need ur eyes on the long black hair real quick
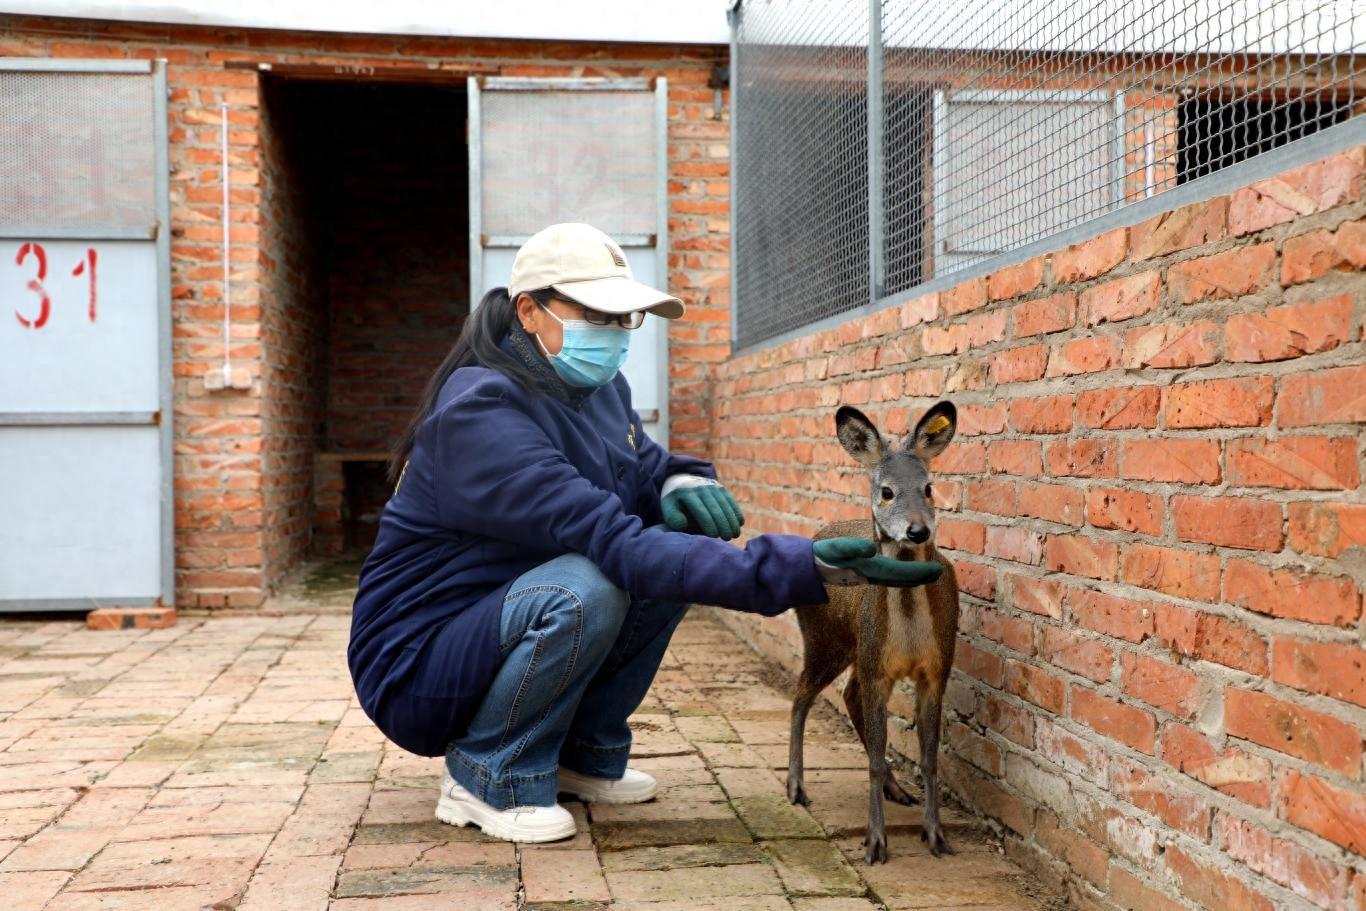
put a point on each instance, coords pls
(478, 345)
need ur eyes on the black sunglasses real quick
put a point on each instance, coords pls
(633, 320)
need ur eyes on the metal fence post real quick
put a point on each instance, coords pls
(877, 279)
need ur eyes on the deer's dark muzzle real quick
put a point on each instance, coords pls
(918, 534)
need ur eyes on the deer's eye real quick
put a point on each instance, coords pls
(928, 491)
(888, 493)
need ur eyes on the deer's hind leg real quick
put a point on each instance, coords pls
(819, 669)
(853, 702)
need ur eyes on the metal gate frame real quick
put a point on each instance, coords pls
(480, 241)
(160, 231)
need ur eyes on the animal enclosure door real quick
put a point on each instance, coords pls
(85, 381)
(544, 151)
(1012, 166)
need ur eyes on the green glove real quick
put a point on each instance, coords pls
(705, 508)
(837, 558)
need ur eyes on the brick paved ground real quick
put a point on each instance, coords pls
(224, 763)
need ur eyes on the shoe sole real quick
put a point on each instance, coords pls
(454, 814)
(589, 796)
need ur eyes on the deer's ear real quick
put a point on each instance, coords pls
(934, 431)
(859, 437)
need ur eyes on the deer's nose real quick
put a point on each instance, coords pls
(918, 533)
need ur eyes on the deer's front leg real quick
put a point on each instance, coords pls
(929, 708)
(875, 692)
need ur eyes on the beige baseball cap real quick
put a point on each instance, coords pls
(587, 266)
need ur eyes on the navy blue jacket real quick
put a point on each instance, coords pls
(499, 481)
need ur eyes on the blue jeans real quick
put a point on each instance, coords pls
(578, 657)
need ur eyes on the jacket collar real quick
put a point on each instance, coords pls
(521, 346)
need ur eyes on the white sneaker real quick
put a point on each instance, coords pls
(459, 807)
(633, 787)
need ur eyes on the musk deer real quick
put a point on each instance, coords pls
(887, 634)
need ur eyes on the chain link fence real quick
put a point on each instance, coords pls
(878, 146)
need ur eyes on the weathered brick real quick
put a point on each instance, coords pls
(1034, 684)
(1304, 190)
(1180, 573)
(1170, 345)
(1010, 543)
(1117, 720)
(1023, 458)
(1091, 258)
(115, 618)
(961, 534)
(1013, 281)
(1240, 402)
(1233, 771)
(1018, 365)
(1205, 882)
(1197, 634)
(1327, 529)
(1294, 595)
(1328, 668)
(1294, 730)
(964, 297)
(1087, 656)
(1232, 274)
(1179, 460)
(1118, 409)
(1294, 463)
(1311, 803)
(1334, 396)
(983, 665)
(1161, 684)
(1310, 256)
(1230, 521)
(1190, 226)
(1281, 333)
(1128, 510)
(1054, 502)
(1084, 355)
(1122, 618)
(1306, 874)
(1038, 596)
(1047, 314)
(1088, 458)
(1080, 555)
(1052, 414)
(1121, 299)
(1166, 797)
(993, 496)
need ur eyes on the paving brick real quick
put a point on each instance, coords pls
(814, 867)
(563, 876)
(680, 885)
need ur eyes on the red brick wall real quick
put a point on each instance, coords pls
(1156, 511)
(227, 554)
(293, 330)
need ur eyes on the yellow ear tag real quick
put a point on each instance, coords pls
(939, 423)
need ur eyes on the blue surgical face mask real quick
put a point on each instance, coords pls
(589, 355)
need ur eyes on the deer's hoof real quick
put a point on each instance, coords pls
(875, 848)
(892, 790)
(938, 844)
(796, 793)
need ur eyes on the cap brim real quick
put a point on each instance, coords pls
(619, 294)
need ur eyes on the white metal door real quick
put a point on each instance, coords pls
(86, 513)
(544, 151)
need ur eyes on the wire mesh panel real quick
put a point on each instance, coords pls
(1002, 123)
(801, 158)
(554, 156)
(77, 150)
